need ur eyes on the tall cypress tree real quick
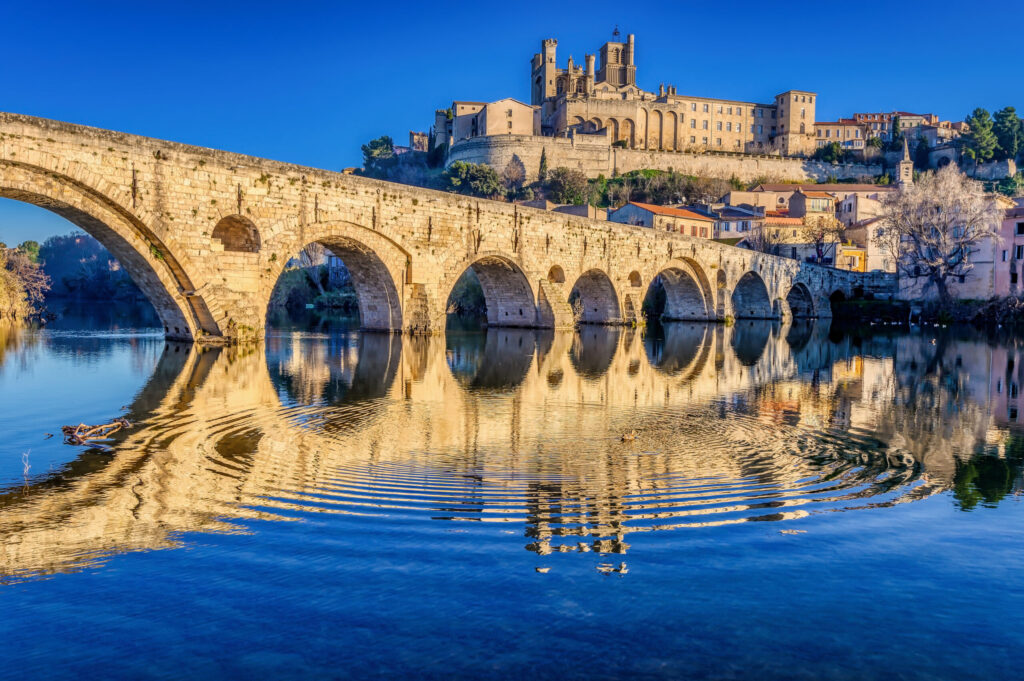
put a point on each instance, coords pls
(542, 173)
(981, 143)
(1009, 131)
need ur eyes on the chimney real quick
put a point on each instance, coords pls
(661, 90)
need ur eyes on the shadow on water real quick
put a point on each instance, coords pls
(495, 359)
(672, 347)
(750, 338)
(593, 349)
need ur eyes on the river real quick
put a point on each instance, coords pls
(695, 500)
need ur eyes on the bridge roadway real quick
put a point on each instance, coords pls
(214, 444)
(207, 233)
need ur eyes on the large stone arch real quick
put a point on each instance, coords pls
(628, 132)
(688, 293)
(800, 301)
(657, 134)
(645, 127)
(598, 302)
(750, 299)
(150, 263)
(510, 299)
(379, 268)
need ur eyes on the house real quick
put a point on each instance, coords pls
(665, 218)
(1011, 252)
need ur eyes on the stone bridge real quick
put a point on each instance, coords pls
(206, 234)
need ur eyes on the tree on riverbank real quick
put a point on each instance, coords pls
(934, 225)
(23, 285)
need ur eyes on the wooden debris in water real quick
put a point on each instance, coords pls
(91, 435)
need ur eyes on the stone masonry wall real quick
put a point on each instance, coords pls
(595, 156)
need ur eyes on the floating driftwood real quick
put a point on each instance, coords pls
(91, 435)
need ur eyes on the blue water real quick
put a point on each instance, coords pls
(795, 504)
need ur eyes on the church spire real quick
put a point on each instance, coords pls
(906, 167)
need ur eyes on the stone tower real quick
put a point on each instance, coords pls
(618, 67)
(906, 168)
(544, 73)
(795, 122)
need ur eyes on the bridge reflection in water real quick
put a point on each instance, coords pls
(758, 421)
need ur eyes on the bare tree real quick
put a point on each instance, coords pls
(933, 226)
(763, 239)
(514, 175)
(29, 275)
(824, 232)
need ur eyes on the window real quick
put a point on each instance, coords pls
(705, 125)
(718, 141)
(760, 130)
(1013, 276)
(719, 108)
(693, 106)
(738, 144)
(752, 128)
(792, 252)
(693, 122)
(1018, 252)
(730, 111)
(704, 140)
(725, 226)
(1014, 390)
(1013, 413)
(1004, 255)
(803, 113)
(693, 230)
(760, 113)
(693, 140)
(728, 127)
(794, 232)
(706, 109)
(1020, 228)
(718, 126)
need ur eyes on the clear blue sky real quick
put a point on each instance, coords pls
(309, 82)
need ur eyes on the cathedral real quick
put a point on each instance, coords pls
(602, 97)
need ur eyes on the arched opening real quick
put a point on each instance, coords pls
(149, 265)
(750, 298)
(629, 132)
(57, 275)
(556, 275)
(593, 299)
(336, 282)
(237, 234)
(505, 296)
(678, 293)
(801, 304)
(634, 279)
(836, 300)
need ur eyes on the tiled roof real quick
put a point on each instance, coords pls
(822, 187)
(772, 220)
(818, 195)
(674, 212)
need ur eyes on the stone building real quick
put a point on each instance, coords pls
(1011, 257)
(605, 96)
(665, 218)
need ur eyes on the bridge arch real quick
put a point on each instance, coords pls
(377, 266)
(508, 296)
(594, 299)
(688, 294)
(152, 266)
(800, 301)
(750, 298)
(556, 275)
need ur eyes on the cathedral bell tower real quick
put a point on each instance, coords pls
(905, 177)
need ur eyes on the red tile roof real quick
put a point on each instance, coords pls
(818, 195)
(674, 212)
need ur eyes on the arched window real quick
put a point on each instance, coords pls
(237, 233)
